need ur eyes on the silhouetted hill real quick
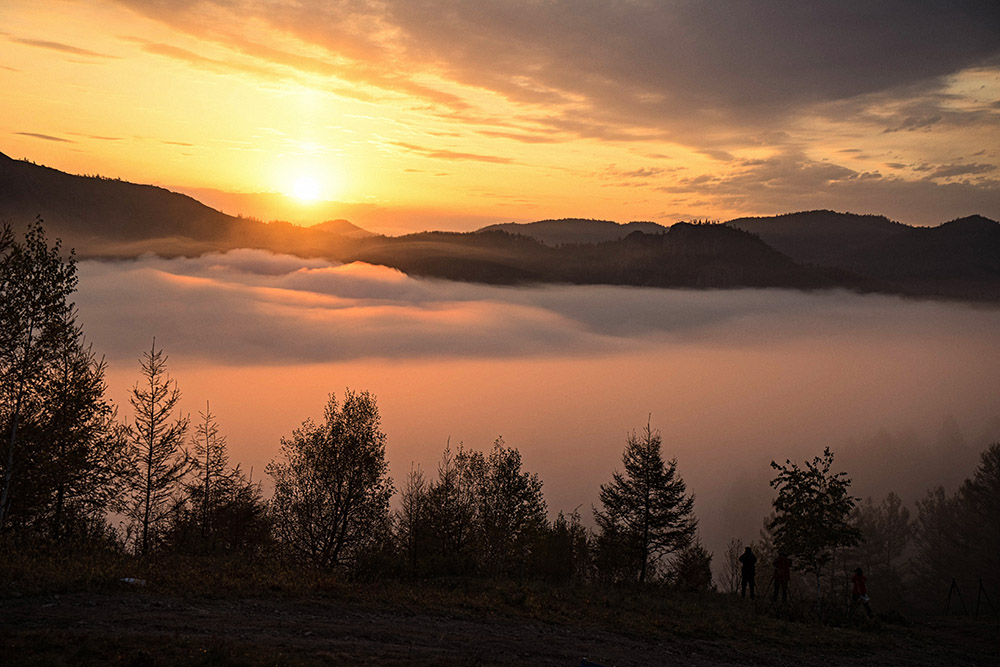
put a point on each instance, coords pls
(343, 228)
(821, 237)
(684, 256)
(102, 217)
(575, 230)
(960, 258)
(82, 209)
(107, 218)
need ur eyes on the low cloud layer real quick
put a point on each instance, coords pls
(253, 307)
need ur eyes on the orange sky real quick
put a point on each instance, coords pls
(451, 114)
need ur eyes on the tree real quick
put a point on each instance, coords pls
(812, 514)
(451, 511)
(979, 525)
(35, 286)
(563, 551)
(221, 508)
(885, 531)
(692, 569)
(210, 468)
(155, 459)
(511, 511)
(331, 487)
(958, 536)
(646, 513)
(482, 514)
(81, 443)
(411, 518)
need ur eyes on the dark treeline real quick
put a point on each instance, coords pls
(77, 474)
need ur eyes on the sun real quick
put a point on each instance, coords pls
(306, 189)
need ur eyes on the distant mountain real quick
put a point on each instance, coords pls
(342, 228)
(104, 218)
(821, 237)
(961, 257)
(958, 258)
(575, 230)
(684, 255)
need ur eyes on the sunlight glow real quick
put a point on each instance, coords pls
(306, 189)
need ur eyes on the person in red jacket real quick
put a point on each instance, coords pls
(859, 591)
(748, 572)
(782, 575)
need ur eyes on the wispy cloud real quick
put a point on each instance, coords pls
(46, 137)
(961, 169)
(442, 154)
(58, 46)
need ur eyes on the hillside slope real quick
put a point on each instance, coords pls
(576, 230)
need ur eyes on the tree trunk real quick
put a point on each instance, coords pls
(8, 472)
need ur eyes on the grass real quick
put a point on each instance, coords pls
(731, 627)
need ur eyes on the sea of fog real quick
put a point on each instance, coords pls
(903, 391)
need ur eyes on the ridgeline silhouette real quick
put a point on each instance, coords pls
(106, 218)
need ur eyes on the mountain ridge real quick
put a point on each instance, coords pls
(111, 218)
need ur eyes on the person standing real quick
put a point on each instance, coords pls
(748, 572)
(782, 575)
(859, 591)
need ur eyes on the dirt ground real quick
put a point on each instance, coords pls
(135, 628)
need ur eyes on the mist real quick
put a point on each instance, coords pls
(903, 391)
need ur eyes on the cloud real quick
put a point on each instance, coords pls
(450, 155)
(793, 181)
(912, 123)
(961, 169)
(58, 46)
(629, 64)
(46, 137)
(250, 307)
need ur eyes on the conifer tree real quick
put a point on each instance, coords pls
(221, 508)
(646, 513)
(210, 466)
(155, 459)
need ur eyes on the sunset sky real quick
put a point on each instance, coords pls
(414, 114)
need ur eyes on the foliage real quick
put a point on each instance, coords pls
(563, 550)
(646, 514)
(511, 511)
(35, 322)
(482, 514)
(155, 459)
(451, 506)
(691, 570)
(221, 508)
(885, 531)
(410, 521)
(812, 513)
(331, 488)
(958, 537)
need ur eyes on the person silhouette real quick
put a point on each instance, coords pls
(748, 572)
(782, 575)
(859, 591)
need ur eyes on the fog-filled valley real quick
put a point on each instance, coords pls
(903, 391)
